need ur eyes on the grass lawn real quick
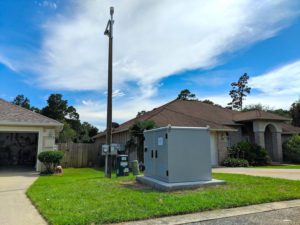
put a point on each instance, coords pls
(84, 196)
(280, 167)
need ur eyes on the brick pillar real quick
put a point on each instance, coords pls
(259, 138)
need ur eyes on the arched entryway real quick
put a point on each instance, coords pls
(270, 145)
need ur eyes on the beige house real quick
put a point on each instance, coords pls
(227, 127)
(24, 134)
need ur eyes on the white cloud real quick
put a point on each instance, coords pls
(48, 4)
(116, 93)
(7, 63)
(278, 88)
(281, 81)
(272, 101)
(152, 39)
(123, 110)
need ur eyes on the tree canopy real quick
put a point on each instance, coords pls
(295, 113)
(22, 101)
(239, 91)
(186, 95)
(280, 112)
(58, 109)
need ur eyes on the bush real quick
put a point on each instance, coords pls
(253, 153)
(50, 159)
(235, 162)
(291, 149)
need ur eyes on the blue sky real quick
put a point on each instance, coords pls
(160, 48)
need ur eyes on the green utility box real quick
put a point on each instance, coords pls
(122, 165)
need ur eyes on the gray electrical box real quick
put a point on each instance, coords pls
(114, 148)
(178, 154)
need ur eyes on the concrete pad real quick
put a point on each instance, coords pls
(290, 174)
(15, 207)
(164, 186)
(216, 214)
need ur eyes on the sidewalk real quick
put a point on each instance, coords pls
(217, 214)
(290, 174)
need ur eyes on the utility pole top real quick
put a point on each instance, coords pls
(111, 11)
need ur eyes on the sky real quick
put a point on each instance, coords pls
(160, 48)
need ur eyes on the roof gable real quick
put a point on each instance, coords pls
(11, 114)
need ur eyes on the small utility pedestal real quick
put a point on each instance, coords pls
(177, 158)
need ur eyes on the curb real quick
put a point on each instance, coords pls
(216, 214)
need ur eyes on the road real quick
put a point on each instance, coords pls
(289, 216)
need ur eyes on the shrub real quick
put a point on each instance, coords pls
(50, 159)
(253, 153)
(291, 149)
(235, 162)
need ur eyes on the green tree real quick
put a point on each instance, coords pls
(67, 134)
(207, 101)
(239, 91)
(295, 113)
(35, 109)
(256, 107)
(87, 131)
(186, 95)
(72, 113)
(22, 101)
(74, 130)
(280, 112)
(57, 108)
(137, 136)
(115, 125)
(141, 113)
(291, 149)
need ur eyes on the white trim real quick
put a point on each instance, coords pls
(31, 124)
(177, 127)
(225, 129)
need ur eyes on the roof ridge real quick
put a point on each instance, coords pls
(28, 110)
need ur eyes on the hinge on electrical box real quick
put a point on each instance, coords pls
(167, 173)
(166, 136)
(146, 149)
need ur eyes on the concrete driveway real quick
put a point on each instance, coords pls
(15, 207)
(290, 174)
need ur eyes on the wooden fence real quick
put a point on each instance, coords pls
(80, 155)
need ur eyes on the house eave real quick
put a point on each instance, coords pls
(223, 129)
(24, 124)
(264, 119)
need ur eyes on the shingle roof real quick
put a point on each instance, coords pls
(290, 129)
(185, 113)
(199, 114)
(256, 114)
(11, 114)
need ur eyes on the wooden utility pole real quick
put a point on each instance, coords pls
(109, 32)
